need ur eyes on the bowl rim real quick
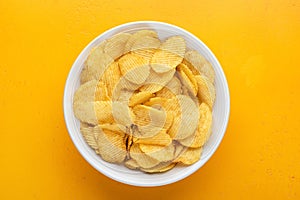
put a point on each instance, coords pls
(89, 159)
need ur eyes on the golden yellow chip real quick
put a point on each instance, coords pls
(134, 68)
(115, 46)
(189, 156)
(139, 98)
(160, 153)
(156, 101)
(139, 34)
(174, 85)
(187, 78)
(201, 64)
(185, 125)
(206, 90)
(85, 112)
(111, 77)
(163, 61)
(110, 145)
(122, 114)
(178, 150)
(101, 92)
(161, 139)
(141, 158)
(146, 42)
(161, 167)
(203, 131)
(86, 92)
(95, 66)
(191, 67)
(131, 164)
(89, 135)
(156, 81)
(175, 45)
(103, 112)
(124, 90)
(165, 93)
(116, 128)
(146, 53)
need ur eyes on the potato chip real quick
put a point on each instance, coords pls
(134, 68)
(146, 42)
(163, 61)
(85, 112)
(103, 112)
(86, 92)
(175, 45)
(160, 153)
(89, 136)
(139, 34)
(141, 158)
(116, 128)
(161, 167)
(201, 64)
(178, 150)
(124, 90)
(191, 67)
(156, 81)
(187, 79)
(110, 146)
(145, 53)
(174, 85)
(122, 114)
(161, 139)
(131, 164)
(189, 156)
(139, 98)
(156, 101)
(203, 130)
(111, 77)
(115, 46)
(101, 92)
(206, 90)
(95, 66)
(165, 93)
(185, 125)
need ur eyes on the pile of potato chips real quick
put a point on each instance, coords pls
(144, 102)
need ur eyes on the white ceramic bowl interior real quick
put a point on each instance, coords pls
(121, 173)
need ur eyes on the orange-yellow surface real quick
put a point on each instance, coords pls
(257, 43)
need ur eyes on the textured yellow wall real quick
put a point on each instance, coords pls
(257, 43)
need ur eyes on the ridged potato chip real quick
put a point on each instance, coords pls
(191, 67)
(139, 98)
(101, 92)
(186, 124)
(156, 101)
(139, 34)
(134, 68)
(163, 61)
(201, 64)
(156, 81)
(187, 78)
(86, 92)
(145, 42)
(110, 146)
(189, 156)
(122, 114)
(115, 46)
(161, 167)
(146, 53)
(206, 90)
(131, 164)
(89, 135)
(161, 139)
(175, 45)
(160, 153)
(96, 63)
(203, 131)
(116, 128)
(141, 158)
(85, 112)
(103, 112)
(111, 77)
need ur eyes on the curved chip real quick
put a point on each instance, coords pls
(101, 92)
(160, 153)
(115, 46)
(89, 135)
(85, 112)
(187, 78)
(110, 145)
(131, 164)
(139, 98)
(203, 131)
(161, 101)
(201, 64)
(175, 45)
(191, 67)
(139, 34)
(122, 113)
(189, 156)
(134, 68)
(161, 167)
(206, 90)
(141, 158)
(96, 63)
(103, 111)
(161, 139)
(156, 81)
(86, 92)
(116, 128)
(185, 125)
(111, 77)
(146, 42)
(163, 61)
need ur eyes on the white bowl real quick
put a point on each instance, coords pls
(121, 173)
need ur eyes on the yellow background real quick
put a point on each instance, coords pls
(257, 43)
